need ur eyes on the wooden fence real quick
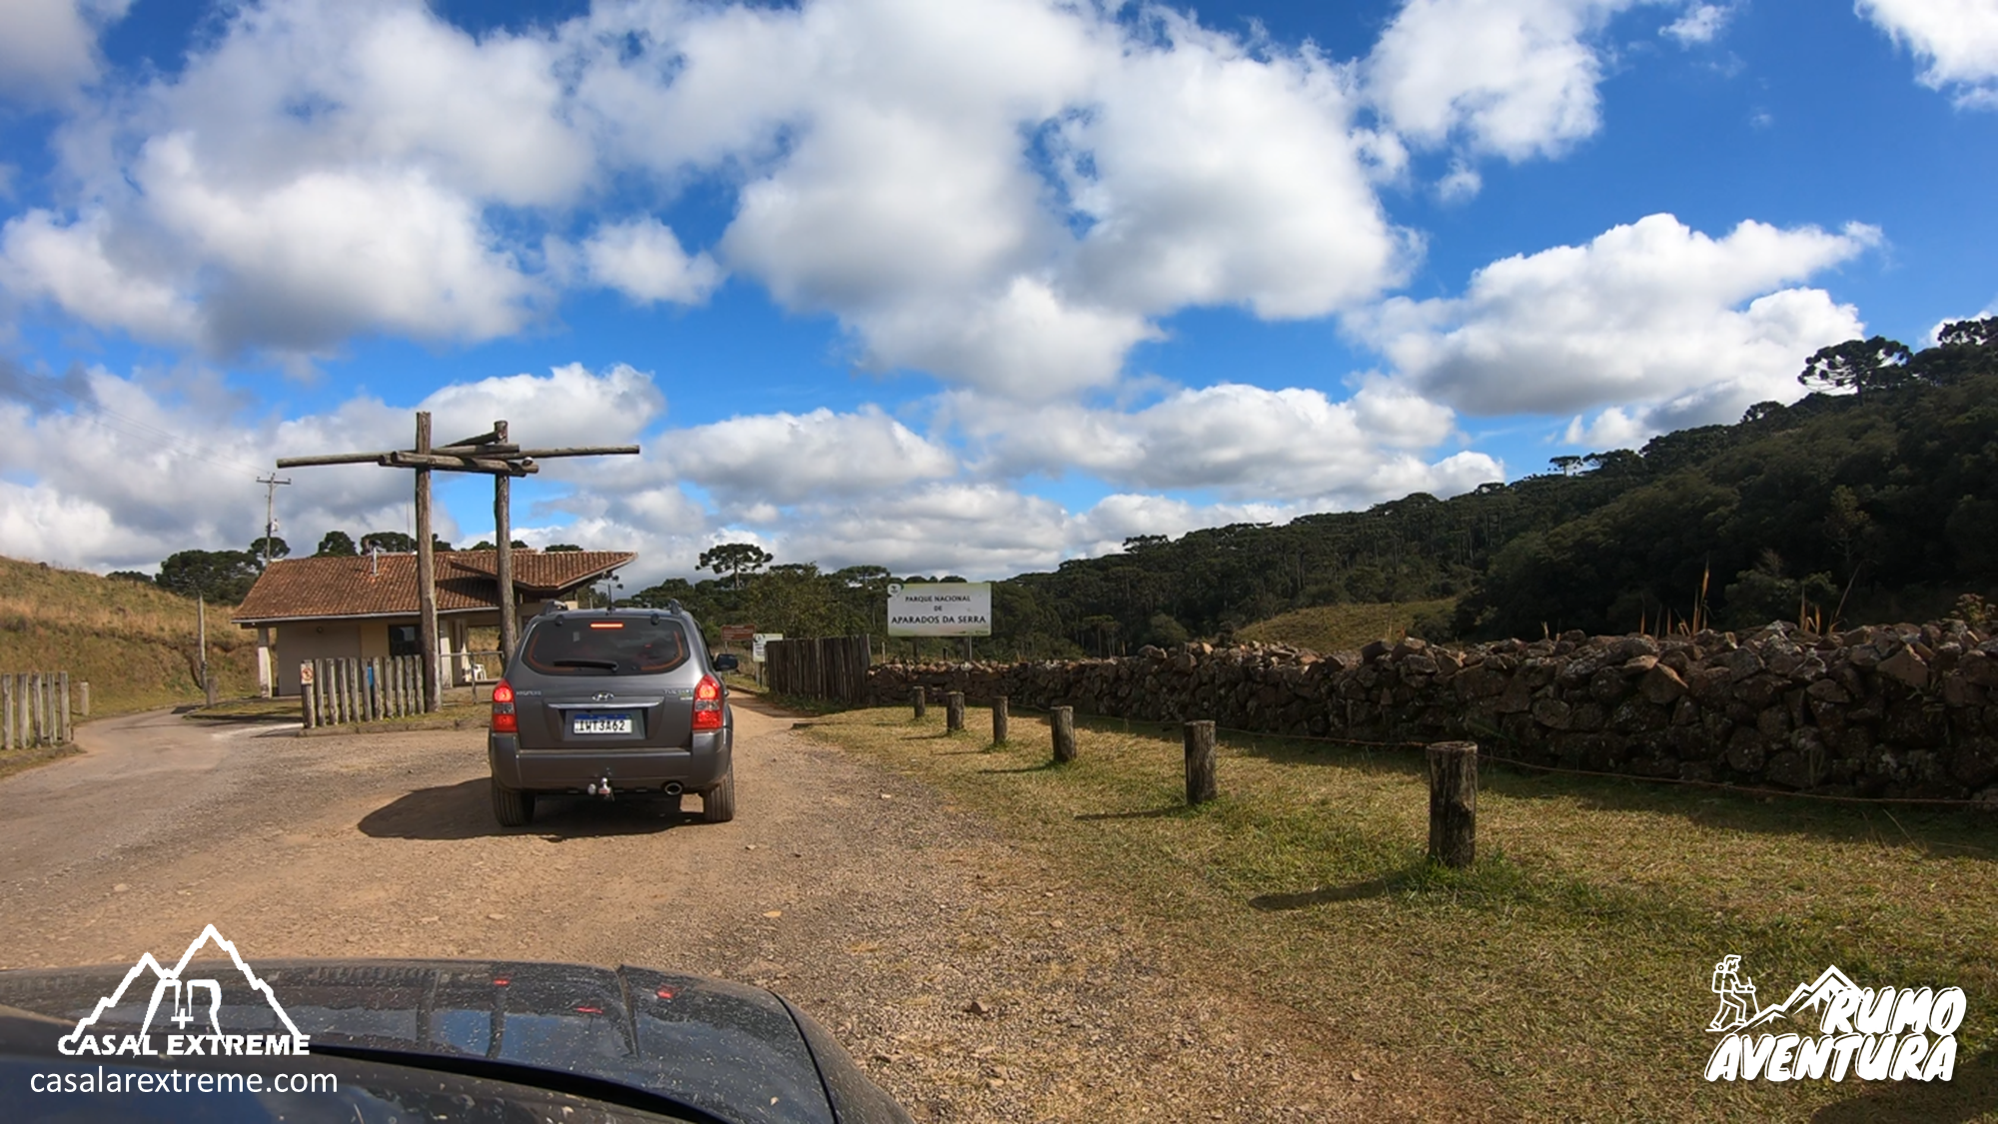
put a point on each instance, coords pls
(336, 690)
(34, 709)
(832, 668)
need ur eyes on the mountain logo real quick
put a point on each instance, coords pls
(183, 1016)
(1876, 1034)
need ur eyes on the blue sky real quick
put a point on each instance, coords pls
(964, 288)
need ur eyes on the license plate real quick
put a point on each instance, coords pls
(588, 723)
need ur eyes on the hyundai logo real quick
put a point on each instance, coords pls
(602, 697)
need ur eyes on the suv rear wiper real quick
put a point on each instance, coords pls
(609, 664)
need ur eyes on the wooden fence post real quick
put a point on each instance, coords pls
(1062, 721)
(305, 715)
(62, 681)
(83, 692)
(6, 712)
(999, 719)
(954, 711)
(1453, 803)
(920, 700)
(1199, 737)
(39, 692)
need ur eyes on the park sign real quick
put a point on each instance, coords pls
(940, 609)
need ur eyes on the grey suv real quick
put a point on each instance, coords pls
(608, 703)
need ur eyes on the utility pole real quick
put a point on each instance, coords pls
(270, 484)
(490, 452)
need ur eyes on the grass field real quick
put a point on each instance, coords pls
(1569, 970)
(133, 643)
(1341, 628)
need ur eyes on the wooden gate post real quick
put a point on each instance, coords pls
(920, 699)
(954, 711)
(306, 719)
(999, 719)
(1453, 803)
(68, 736)
(1199, 739)
(1062, 721)
(83, 694)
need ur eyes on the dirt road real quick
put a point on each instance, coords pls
(969, 981)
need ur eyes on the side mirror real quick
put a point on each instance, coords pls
(727, 662)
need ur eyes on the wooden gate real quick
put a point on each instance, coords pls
(832, 668)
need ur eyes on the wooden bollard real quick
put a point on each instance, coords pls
(1453, 803)
(1200, 761)
(920, 699)
(83, 697)
(999, 719)
(1062, 721)
(954, 711)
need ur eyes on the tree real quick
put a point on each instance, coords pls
(735, 559)
(219, 576)
(395, 542)
(553, 548)
(273, 547)
(335, 544)
(131, 576)
(1858, 365)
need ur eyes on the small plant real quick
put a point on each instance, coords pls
(1977, 612)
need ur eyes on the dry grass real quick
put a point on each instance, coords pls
(1570, 969)
(134, 644)
(1343, 627)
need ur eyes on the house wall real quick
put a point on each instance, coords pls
(315, 640)
(374, 639)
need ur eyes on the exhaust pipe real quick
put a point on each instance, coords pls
(673, 789)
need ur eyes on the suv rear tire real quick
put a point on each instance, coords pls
(512, 807)
(718, 804)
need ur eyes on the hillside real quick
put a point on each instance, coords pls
(1349, 626)
(133, 643)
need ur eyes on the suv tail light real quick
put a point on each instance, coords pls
(707, 704)
(504, 720)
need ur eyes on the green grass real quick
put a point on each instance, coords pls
(133, 643)
(1569, 969)
(1343, 627)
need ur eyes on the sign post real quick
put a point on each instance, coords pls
(941, 609)
(756, 652)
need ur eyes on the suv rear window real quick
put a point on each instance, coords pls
(604, 646)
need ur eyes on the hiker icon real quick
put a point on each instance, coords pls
(1737, 994)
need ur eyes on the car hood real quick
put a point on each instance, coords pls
(741, 1053)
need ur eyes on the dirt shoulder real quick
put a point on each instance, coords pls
(974, 981)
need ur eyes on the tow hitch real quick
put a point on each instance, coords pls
(602, 788)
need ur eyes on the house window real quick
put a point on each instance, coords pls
(403, 641)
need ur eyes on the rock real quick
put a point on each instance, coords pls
(1828, 691)
(1906, 667)
(1745, 751)
(1515, 698)
(1978, 668)
(1552, 713)
(1638, 665)
(1661, 684)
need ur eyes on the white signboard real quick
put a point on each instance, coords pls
(940, 609)
(758, 641)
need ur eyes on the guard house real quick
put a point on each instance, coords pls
(366, 606)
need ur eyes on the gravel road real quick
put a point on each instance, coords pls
(971, 981)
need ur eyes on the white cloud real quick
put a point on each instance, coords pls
(784, 459)
(1957, 41)
(1515, 78)
(48, 48)
(319, 171)
(1653, 317)
(1244, 442)
(1003, 193)
(1700, 23)
(644, 260)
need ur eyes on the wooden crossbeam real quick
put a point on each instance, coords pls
(490, 452)
(406, 460)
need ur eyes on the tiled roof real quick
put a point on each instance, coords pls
(358, 586)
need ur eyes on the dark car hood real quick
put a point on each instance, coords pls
(738, 1052)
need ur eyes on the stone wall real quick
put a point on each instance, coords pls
(1881, 711)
